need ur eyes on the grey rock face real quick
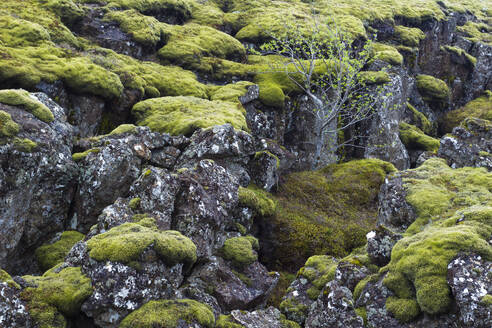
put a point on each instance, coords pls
(13, 312)
(206, 201)
(270, 317)
(379, 245)
(36, 188)
(481, 78)
(264, 169)
(469, 277)
(244, 289)
(383, 129)
(348, 274)
(334, 308)
(394, 211)
(119, 289)
(468, 145)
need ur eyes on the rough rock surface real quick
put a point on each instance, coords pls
(36, 187)
(269, 317)
(379, 245)
(469, 144)
(13, 311)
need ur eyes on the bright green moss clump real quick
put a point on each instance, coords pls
(8, 128)
(454, 208)
(80, 156)
(169, 314)
(54, 294)
(25, 145)
(404, 310)
(178, 8)
(23, 98)
(16, 32)
(126, 242)
(328, 211)
(184, 115)
(318, 270)
(433, 89)
(6, 278)
(371, 77)
(480, 108)
(123, 128)
(230, 92)
(420, 120)
(50, 255)
(409, 36)
(226, 321)
(240, 251)
(413, 138)
(257, 199)
(387, 53)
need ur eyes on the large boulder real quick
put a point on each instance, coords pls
(37, 175)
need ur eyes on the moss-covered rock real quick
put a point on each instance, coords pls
(477, 31)
(240, 251)
(184, 115)
(324, 212)
(169, 314)
(6, 278)
(126, 242)
(480, 107)
(180, 9)
(226, 321)
(433, 89)
(371, 77)
(420, 120)
(257, 199)
(460, 52)
(80, 156)
(454, 215)
(23, 99)
(415, 139)
(404, 310)
(387, 53)
(16, 32)
(8, 128)
(56, 294)
(230, 92)
(409, 36)
(318, 270)
(50, 255)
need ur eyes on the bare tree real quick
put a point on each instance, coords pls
(326, 66)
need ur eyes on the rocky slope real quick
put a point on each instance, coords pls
(154, 170)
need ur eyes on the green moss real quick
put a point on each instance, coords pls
(25, 145)
(24, 99)
(405, 310)
(294, 308)
(150, 79)
(420, 120)
(80, 156)
(287, 323)
(319, 270)
(487, 300)
(371, 77)
(387, 53)
(16, 32)
(477, 32)
(433, 89)
(126, 242)
(134, 203)
(480, 107)
(68, 11)
(362, 312)
(184, 115)
(328, 211)
(409, 36)
(50, 255)
(454, 208)
(460, 52)
(230, 92)
(226, 321)
(177, 8)
(362, 284)
(170, 314)
(8, 128)
(124, 128)
(414, 138)
(190, 42)
(54, 294)
(257, 199)
(143, 29)
(240, 251)
(6, 278)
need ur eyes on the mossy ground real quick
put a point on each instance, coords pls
(169, 314)
(184, 115)
(126, 242)
(50, 255)
(55, 295)
(325, 212)
(454, 215)
(480, 107)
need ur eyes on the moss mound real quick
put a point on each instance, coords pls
(480, 107)
(404, 310)
(324, 212)
(409, 36)
(6, 278)
(23, 98)
(257, 199)
(56, 294)
(420, 120)
(433, 89)
(414, 138)
(169, 314)
(50, 255)
(8, 128)
(126, 242)
(454, 209)
(387, 53)
(184, 115)
(240, 251)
